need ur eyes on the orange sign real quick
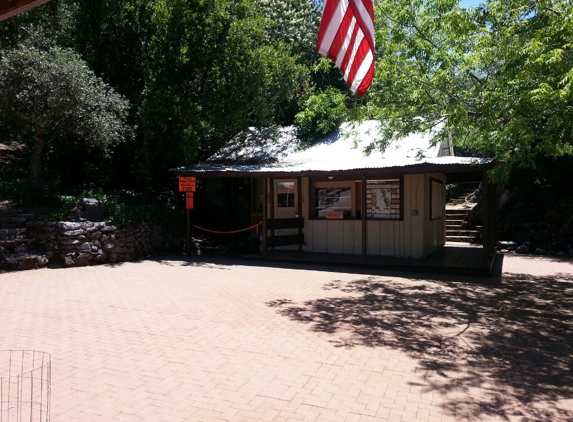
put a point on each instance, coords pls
(187, 184)
(189, 200)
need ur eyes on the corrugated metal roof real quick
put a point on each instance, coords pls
(278, 152)
(258, 146)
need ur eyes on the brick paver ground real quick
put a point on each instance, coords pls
(220, 340)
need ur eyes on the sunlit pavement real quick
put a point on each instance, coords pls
(223, 340)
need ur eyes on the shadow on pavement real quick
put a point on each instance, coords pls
(504, 351)
(225, 262)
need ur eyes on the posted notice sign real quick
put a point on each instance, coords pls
(187, 184)
(189, 200)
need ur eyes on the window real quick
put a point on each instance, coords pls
(436, 201)
(285, 194)
(333, 200)
(384, 199)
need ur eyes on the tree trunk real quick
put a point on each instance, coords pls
(36, 160)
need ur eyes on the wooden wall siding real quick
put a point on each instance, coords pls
(415, 236)
(316, 239)
(334, 236)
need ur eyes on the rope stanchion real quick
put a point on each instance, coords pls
(226, 232)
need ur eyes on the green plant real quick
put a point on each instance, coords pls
(322, 113)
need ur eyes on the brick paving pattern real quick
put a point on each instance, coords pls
(222, 340)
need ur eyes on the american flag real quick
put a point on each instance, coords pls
(346, 36)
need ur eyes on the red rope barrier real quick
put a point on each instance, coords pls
(231, 232)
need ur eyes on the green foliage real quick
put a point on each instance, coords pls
(49, 98)
(195, 72)
(14, 30)
(212, 73)
(46, 88)
(292, 22)
(322, 113)
(497, 76)
(112, 37)
(456, 190)
(125, 208)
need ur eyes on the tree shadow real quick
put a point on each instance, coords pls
(504, 351)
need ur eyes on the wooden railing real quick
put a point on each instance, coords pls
(285, 239)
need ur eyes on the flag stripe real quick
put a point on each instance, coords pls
(341, 41)
(364, 13)
(345, 51)
(355, 59)
(331, 20)
(346, 36)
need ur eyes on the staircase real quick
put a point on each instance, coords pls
(456, 229)
(16, 245)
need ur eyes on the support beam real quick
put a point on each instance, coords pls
(489, 220)
(364, 221)
(272, 206)
(265, 216)
(299, 210)
(9, 8)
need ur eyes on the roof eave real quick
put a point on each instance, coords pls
(473, 168)
(11, 8)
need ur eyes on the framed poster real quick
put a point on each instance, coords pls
(383, 199)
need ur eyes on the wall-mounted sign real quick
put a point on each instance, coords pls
(187, 184)
(189, 200)
(383, 199)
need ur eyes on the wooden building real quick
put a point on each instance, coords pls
(331, 198)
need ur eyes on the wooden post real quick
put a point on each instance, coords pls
(272, 208)
(265, 217)
(489, 217)
(363, 214)
(188, 243)
(299, 212)
(233, 216)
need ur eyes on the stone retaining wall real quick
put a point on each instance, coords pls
(74, 244)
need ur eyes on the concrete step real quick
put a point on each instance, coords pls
(15, 221)
(454, 222)
(465, 239)
(13, 234)
(15, 242)
(463, 232)
(457, 211)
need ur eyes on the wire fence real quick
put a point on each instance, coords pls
(25, 386)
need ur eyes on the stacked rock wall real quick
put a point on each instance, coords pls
(74, 244)
(26, 243)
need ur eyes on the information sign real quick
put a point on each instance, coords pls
(189, 200)
(187, 184)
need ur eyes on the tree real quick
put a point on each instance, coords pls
(213, 70)
(113, 38)
(293, 22)
(498, 76)
(48, 96)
